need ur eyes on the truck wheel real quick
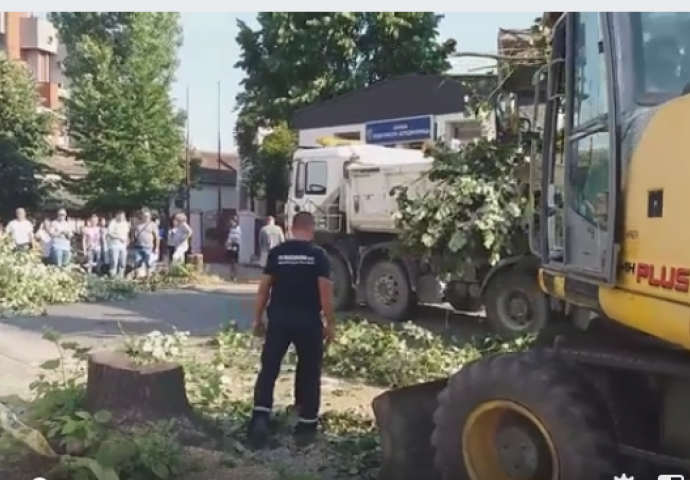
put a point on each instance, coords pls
(343, 294)
(523, 415)
(515, 305)
(388, 291)
(459, 298)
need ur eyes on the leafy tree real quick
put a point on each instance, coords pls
(295, 59)
(276, 147)
(24, 131)
(120, 113)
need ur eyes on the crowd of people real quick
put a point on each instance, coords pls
(103, 245)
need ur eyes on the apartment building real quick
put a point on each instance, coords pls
(34, 40)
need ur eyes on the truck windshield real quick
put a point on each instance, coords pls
(661, 53)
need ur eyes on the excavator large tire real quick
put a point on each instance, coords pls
(523, 415)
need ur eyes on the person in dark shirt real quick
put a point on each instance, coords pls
(296, 287)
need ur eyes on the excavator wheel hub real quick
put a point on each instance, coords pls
(522, 448)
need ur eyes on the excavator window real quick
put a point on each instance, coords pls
(588, 144)
(661, 48)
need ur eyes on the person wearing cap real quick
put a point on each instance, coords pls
(296, 294)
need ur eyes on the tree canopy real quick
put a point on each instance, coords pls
(120, 113)
(292, 60)
(24, 133)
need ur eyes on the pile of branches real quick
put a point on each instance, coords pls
(27, 286)
(475, 210)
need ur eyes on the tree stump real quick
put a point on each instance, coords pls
(136, 392)
(404, 418)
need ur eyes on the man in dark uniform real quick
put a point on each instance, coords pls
(296, 287)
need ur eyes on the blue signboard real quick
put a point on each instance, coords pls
(400, 130)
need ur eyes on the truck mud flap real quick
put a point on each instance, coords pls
(404, 418)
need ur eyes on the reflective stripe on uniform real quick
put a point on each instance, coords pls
(307, 420)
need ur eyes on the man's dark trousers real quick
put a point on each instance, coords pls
(304, 331)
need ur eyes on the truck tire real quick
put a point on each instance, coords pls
(514, 303)
(388, 291)
(523, 415)
(343, 294)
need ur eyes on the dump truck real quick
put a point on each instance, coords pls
(607, 396)
(348, 187)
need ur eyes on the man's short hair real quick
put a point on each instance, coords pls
(303, 221)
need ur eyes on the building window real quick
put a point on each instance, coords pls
(466, 131)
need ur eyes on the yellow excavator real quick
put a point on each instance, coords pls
(610, 395)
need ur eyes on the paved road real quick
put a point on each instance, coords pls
(199, 311)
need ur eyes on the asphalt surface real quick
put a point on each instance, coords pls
(199, 311)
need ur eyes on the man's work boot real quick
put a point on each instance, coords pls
(258, 431)
(304, 433)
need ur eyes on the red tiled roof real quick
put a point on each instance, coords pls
(209, 160)
(69, 165)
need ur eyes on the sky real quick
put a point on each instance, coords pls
(209, 53)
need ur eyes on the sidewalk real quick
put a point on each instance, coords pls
(247, 273)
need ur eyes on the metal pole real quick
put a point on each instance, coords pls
(187, 161)
(220, 160)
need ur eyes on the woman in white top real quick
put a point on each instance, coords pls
(178, 238)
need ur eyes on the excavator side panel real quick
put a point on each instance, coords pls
(653, 293)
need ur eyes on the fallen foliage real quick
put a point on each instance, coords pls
(348, 448)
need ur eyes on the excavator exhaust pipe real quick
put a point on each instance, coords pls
(405, 421)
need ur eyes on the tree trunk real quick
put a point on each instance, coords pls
(271, 205)
(404, 418)
(145, 392)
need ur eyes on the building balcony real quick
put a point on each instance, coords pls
(63, 92)
(49, 93)
(38, 34)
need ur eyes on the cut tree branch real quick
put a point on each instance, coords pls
(507, 58)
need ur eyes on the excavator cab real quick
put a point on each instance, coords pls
(609, 75)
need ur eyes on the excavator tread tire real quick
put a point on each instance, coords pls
(496, 296)
(555, 391)
(343, 293)
(404, 307)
